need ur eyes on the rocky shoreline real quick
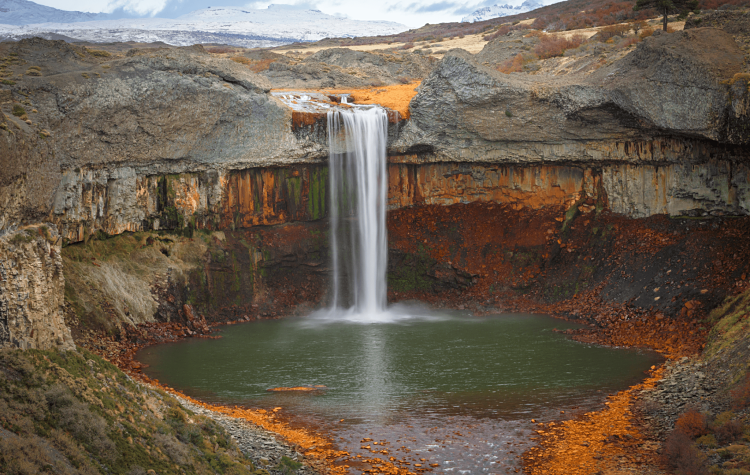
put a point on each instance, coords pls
(261, 446)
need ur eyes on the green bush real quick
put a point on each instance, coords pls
(288, 466)
(18, 110)
(21, 238)
(707, 441)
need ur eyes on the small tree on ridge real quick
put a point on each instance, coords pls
(667, 6)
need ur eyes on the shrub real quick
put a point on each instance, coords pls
(551, 46)
(638, 26)
(726, 429)
(707, 441)
(646, 32)
(220, 50)
(176, 450)
(287, 466)
(613, 30)
(680, 454)
(692, 423)
(26, 455)
(241, 60)
(516, 64)
(502, 31)
(21, 238)
(408, 46)
(741, 394)
(99, 53)
(18, 110)
(88, 428)
(261, 65)
(8, 82)
(629, 41)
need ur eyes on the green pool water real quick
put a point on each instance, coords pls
(510, 366)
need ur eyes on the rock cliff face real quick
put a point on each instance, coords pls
(670, 86)
(178, 138)
(31, 291)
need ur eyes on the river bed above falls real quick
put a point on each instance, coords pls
(407, 381)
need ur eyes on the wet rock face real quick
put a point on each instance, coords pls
(32, 291)
(128, 199)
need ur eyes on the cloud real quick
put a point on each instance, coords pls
(137, 7)
(437, 7)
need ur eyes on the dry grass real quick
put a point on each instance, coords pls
(254, 66)
(516, 64)
(221, 50)
(109, 280)
(74, 413)
(551, 46)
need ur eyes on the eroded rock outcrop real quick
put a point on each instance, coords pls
(93, 124)
(32, 290)
(666, 88)
(346, 68)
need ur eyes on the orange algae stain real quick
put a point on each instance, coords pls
(596, 442)
(295, 388)
(395, 97)
(317, 449)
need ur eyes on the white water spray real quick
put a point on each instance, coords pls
(359, 189)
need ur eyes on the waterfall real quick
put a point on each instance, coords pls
(359, 189)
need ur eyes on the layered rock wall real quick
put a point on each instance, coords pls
(114, 202)
(32, 291)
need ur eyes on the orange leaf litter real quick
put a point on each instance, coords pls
(396, 97)
(318, 450)
(597, 442)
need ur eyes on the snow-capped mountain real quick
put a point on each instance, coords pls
(237, 26)
(23, 12)
(496, 11)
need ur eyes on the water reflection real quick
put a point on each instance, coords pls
(454, 388)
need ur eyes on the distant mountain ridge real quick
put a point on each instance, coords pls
(237, 26)
(24, 12)
(495, 11)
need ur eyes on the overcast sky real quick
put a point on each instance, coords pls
(413, 13)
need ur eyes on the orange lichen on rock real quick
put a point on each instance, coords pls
(306, 119)
(395, 97)
(597, 442)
